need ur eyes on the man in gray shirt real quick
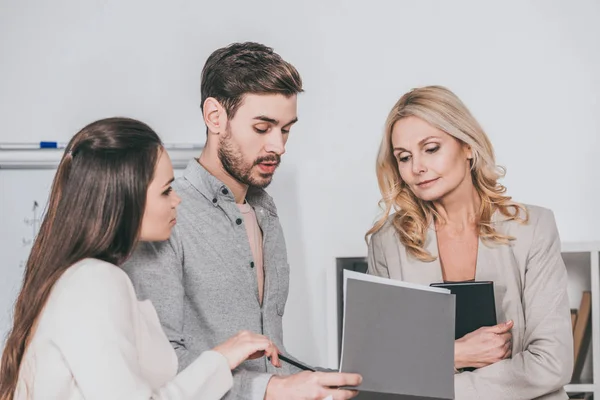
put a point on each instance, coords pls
(225, 267)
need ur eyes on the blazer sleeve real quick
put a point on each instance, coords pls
(95, 319)
(546, 363)
(376, 257)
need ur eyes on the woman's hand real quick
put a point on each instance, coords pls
(483, 347)
(248, 345)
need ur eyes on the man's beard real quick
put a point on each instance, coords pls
(233, 162)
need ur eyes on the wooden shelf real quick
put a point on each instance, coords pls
(593, 250)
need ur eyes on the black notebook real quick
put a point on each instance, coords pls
(475, 305)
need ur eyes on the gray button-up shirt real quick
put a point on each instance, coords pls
(202, 280)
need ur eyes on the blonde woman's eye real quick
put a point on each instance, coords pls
(403, 159)
(432, 149)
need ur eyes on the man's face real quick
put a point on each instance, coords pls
(251, 148)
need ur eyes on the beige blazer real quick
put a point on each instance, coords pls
(95, 341)
(530, 286)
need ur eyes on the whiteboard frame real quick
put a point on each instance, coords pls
(49, 158)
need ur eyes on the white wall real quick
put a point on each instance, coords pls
(527, 69)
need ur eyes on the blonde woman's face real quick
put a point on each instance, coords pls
(431, 162)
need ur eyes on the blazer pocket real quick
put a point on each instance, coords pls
(283, 286)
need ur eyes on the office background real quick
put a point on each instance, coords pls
(528, 70)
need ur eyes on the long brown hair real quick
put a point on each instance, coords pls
(442, 109)
(95, 210)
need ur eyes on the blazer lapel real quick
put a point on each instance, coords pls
(488, 265)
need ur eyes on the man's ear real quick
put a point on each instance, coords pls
(215, 116)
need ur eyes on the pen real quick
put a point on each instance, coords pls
(296, 364)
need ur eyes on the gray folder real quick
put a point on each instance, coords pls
(399, 337)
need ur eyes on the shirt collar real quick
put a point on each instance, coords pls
(212, 188)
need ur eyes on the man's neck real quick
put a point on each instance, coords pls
(214, 166)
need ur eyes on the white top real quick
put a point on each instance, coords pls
(95, 340)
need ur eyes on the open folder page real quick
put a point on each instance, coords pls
(399, 336)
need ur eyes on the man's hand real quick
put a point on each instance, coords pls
(312, 386)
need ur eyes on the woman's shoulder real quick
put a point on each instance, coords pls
(93, 280)
(98, 271)
(529, 216)
(387, 230)
(89, 287)
(536, 224)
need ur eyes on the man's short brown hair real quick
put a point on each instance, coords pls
(246, 68)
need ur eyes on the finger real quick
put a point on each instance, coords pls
(501, 328)
(259, 343)
(273, 354)
(506, 337)
(339, 379)
(256, 355)
(273, 348)
(275, 361)
(255, 347)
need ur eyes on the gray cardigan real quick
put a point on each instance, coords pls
(530, 282)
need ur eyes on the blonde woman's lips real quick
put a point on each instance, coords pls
(427, 183)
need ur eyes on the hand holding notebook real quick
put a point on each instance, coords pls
(483, 347)
(479, 341)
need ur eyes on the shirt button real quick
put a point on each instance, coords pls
(215, 200)
(251, 264)
(238, 221)
(224, 191)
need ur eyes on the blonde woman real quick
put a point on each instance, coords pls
(446, 218)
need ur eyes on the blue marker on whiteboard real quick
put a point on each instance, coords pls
(53, 145)
(63, 145)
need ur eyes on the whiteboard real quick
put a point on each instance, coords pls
(23, 197)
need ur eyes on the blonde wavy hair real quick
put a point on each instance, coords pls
(442, 109)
